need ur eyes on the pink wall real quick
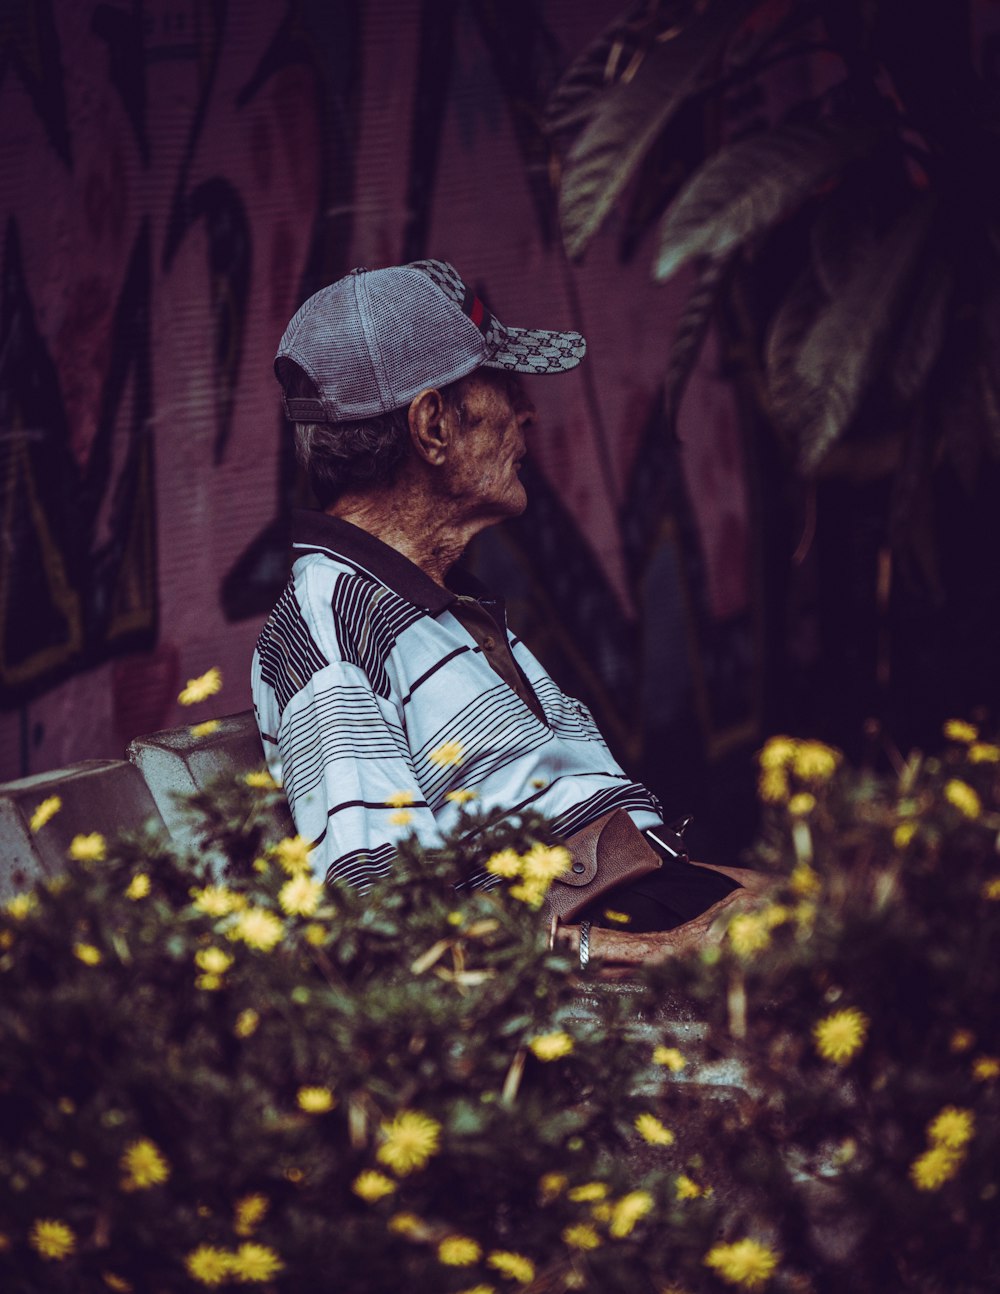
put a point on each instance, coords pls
(237, 114)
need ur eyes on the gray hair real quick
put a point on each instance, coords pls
(342, 456)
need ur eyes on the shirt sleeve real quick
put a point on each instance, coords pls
(342, 757)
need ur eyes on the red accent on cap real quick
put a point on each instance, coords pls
(477, 311)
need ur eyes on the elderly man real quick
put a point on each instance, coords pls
(387, 685)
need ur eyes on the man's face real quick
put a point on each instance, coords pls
(490, 445)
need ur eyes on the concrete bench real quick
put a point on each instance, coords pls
(114, 796)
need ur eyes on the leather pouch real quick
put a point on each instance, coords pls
(610, 851)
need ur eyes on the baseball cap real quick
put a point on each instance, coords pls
(374, 339)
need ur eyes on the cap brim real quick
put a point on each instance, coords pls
(536, 350)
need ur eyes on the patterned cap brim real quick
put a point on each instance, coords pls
(534, 350)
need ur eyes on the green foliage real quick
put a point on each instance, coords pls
(214, 1082)
(861, 205)
(179, 1053)
(885, 924)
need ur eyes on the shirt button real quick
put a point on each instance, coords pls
(578, 868)
(488, 644)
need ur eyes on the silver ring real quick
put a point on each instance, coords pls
(584, 943)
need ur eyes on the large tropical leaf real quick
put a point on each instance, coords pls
(923, 333)
(745, 187)
(632, 113)
(789, 327)
(698, 311)
(606, 59)
(847, 342)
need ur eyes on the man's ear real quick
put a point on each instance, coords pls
(429, 430)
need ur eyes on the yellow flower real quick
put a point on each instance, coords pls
(963, 797)
(52, 1239)
(254, 1263)
(627, 1211)
(961, 1040)
(300, 896)
(778, 752)
(551, 1186)
(117, 1283)
(458, 1251)
(589, 1191)
(208, 983)
(516, 1266)
(959, 730)
(260, 779)
(986, 1068)
(201, 688)
(814, 762)
(21, 905)
(551, 1046)
(292, 854)
(687, 1188)
(248, 1213)
(448, 754)
(620, 918)
(602, 1211)
(952, 1127)
(204, 729)
(143, 1165)
(315, 1100)
(652, 1130)
(670, 1057)
(409, 1140)
(44, 812)
(748, 933)
(991, 889)
(138, 887)
(461, 796)
(401, 817)
(213, 960)
(545, 863)
(506, 863)
(804, 881)
(747, 1262)
(581, 1236)
(88, 954)
(406, 1224)
(371, 1186)
(530, 892)
(400, 799)
(479, 1289)
(208, 1265)
(839, 1036)
(772, 786)
(315, 934)
(801, 805)
(217, 900)
(982, 752)
(934, 1167)
(258, 928)
(903, 834)
(246, 1023)
(88, 849)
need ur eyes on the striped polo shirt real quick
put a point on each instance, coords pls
(366, 684)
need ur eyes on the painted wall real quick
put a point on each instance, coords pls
(175, 177)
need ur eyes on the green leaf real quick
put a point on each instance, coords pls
(629, 117)
(686, 345)
(747, 186)
(923, 333)
(828, 375)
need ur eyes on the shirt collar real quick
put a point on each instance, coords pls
(320, 532)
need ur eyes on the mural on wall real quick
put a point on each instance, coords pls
(661, 655)
(78, 570)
